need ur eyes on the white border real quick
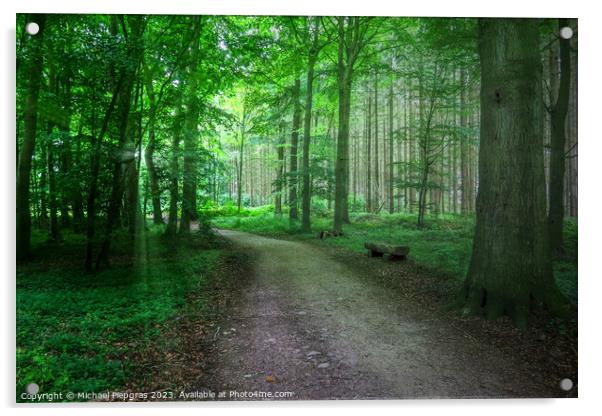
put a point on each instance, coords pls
(590, 152)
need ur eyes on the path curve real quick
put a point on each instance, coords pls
(307, 324)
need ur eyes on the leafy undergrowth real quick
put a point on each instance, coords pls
(78, 332)
(443, 245)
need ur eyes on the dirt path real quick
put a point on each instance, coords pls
(308, 324)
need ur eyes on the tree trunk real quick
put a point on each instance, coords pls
(342, 156)
(369, 157)
(391, 147)
(279, 172)
(557, 155)
(510, 263)
(94, 173)
(306, 204)
(241, 157)
(174, 171)
(292, 198)
(126, 155)
(155, 192)
(191, 136)
(376, 149)
(32, 77)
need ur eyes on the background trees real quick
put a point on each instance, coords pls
(126, 118)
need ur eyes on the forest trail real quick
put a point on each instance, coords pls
(308, 324)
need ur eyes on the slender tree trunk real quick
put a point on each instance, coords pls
(94, 173)
(306, 203)
(391, 147)
(174, 170)
(191, 136)
(153, 180)
(43, 192)
(78, 201)
(241, 158)
(279, 172)
(32, 76)
(292, 199)
(369, 157)
(510, 262)
(53, 226)
(376, 149)
(557, 155)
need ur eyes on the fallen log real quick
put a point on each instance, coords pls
(395, 252)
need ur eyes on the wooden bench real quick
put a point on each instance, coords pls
(378, 249)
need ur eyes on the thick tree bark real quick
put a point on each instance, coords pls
(32, 76)
(557, 154)
(510, 264)
(292, 197)
(342, 158)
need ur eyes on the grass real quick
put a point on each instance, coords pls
(443, 246)
(75, 331)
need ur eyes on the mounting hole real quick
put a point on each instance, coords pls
(32, 28)
(32, 388)
(566, 384)
(566, 32)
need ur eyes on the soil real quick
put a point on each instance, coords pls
(302, 321)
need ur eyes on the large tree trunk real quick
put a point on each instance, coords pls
(32, 77)
(341, 213)
(510, 265)
(191, 136)
(292, 198)
(557, 155)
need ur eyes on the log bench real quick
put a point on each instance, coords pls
(378, 249)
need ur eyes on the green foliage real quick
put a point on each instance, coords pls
(75, 332)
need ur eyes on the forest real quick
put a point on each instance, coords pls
(153, 149)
